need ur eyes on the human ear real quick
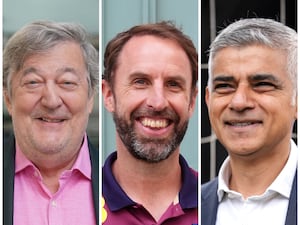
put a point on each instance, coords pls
(108, 97)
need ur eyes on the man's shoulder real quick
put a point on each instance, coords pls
(9, 147)
(209, 184)
(209, 201)
(91, 146)
(209, 187)
(8, 139)
(194, 172)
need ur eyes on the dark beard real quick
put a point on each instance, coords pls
(150, 150)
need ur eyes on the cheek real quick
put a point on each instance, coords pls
(215, 107)
(276, 105)
(127, 102)
(124, 108)
(79, 106)
(23, 104)
(182, 108)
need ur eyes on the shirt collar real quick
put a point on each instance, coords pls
(282, 184)
(82, 163)
(117, 199)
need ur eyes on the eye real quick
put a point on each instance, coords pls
(140, 82)
(223, 88)
(174, 85)
(68, 84)
(264, 86)
(31, 83)
(68, 81)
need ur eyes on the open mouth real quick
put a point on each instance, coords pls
(242, 123)
(155, 123)
(48, 120)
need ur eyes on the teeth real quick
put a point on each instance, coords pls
(51, 120)
(154, 123)
(241, 124)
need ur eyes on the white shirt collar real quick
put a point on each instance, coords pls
(282, 184)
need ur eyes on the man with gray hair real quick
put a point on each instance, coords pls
(252, 103)
(51, 171)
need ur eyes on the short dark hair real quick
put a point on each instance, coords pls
(164, 29)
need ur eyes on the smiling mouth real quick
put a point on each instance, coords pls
(48, 120)
(155, 123)
(242, 123)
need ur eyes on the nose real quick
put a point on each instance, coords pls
(242, 99)
(156, 98)
(50, 96)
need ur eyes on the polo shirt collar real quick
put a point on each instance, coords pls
(114, 196)
(188, 195)
(117, 199)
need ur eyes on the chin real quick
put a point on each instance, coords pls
(244, 147)
(243, 151)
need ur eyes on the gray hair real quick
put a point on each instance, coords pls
(260, 31)
(40, 36)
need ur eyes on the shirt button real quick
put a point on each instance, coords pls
(53, 203)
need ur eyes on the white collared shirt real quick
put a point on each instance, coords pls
(269, 208)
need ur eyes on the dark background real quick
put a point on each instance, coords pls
(216, 15)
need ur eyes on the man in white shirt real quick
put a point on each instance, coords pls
(252, 103)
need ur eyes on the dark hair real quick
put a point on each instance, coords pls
(164, 29)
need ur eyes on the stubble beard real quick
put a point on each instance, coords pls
(151, 150)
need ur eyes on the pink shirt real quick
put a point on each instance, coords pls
(72, 204)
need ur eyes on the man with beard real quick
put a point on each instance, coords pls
(150, 87)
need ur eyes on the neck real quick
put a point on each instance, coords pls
(51, 171)
(154, 185)
(253, 176)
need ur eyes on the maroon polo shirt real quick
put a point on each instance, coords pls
(119, 209)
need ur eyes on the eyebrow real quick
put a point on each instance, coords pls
(137, 75)
(145, 75)
(223, 78)
(67, 70)
(29, 70)
(260, 77)
(255, 77)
